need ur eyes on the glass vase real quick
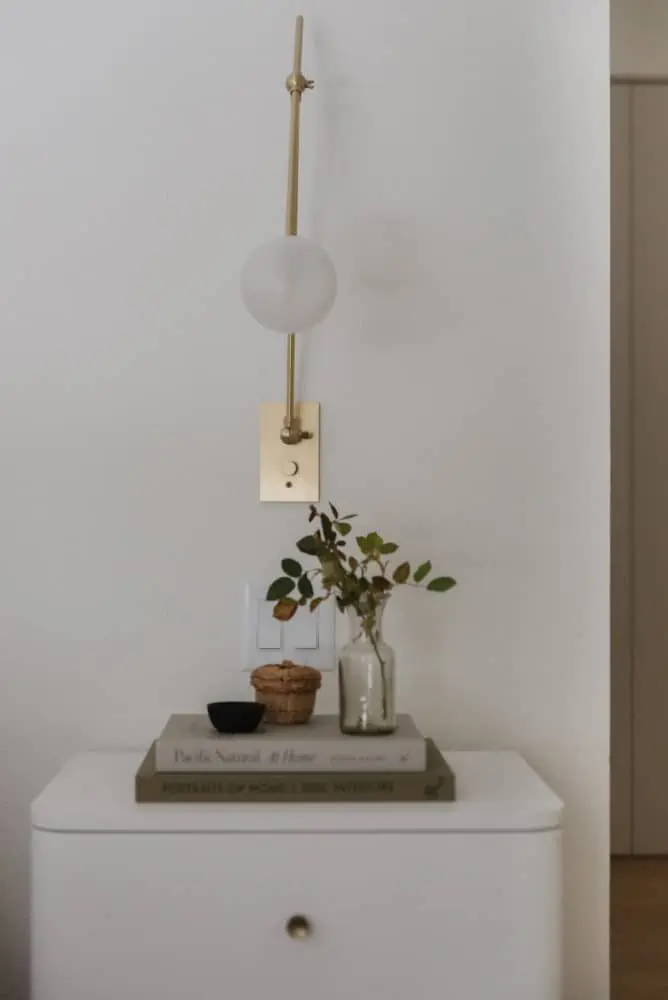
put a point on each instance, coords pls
(366, 677)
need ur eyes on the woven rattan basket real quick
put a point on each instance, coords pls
(287, 690)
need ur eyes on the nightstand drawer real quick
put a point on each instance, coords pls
(297, 916)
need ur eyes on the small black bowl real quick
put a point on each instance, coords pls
(235, 716)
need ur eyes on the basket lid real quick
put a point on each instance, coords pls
(286, 676)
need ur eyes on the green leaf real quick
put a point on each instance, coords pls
(327, 529)
(308, 545)
(402, 572)
(305, 586)
(313, 514)
(280, 588)
(335, 513)
(291, 567)
(387, 548)
(285, 609)
(343, 528)
(315, 603)
(348, 517)
(374, 541)
(381, 583)
(441, 584)
(422, 571)
(354, 565)
(364, 546)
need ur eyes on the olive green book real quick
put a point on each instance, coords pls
(435, 784)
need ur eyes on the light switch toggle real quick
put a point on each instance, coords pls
(308, 638)
(268, 628)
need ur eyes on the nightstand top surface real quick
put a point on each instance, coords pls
(497, 792)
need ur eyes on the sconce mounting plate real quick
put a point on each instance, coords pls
(289, 473)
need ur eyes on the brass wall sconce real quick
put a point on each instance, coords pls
(289, 285)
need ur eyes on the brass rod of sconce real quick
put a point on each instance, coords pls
(295, 89)
(289, 421)
(296, 84)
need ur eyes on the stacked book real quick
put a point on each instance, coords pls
(191, 762)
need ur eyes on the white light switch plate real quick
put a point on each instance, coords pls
(309, 638)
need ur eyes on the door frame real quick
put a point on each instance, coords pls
(622, 589)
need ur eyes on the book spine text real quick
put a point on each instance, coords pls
(160, 788)
(190, 756)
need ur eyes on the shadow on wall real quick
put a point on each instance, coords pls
(397, 284)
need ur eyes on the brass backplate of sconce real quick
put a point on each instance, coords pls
(289, 473)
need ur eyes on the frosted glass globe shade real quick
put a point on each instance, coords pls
(288, 284)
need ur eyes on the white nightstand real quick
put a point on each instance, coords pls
(393, 902)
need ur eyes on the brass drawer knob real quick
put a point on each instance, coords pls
(298, 927)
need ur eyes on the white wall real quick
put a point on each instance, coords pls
(639, 33)
(456, 166)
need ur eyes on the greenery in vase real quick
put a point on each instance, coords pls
(362, 580)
